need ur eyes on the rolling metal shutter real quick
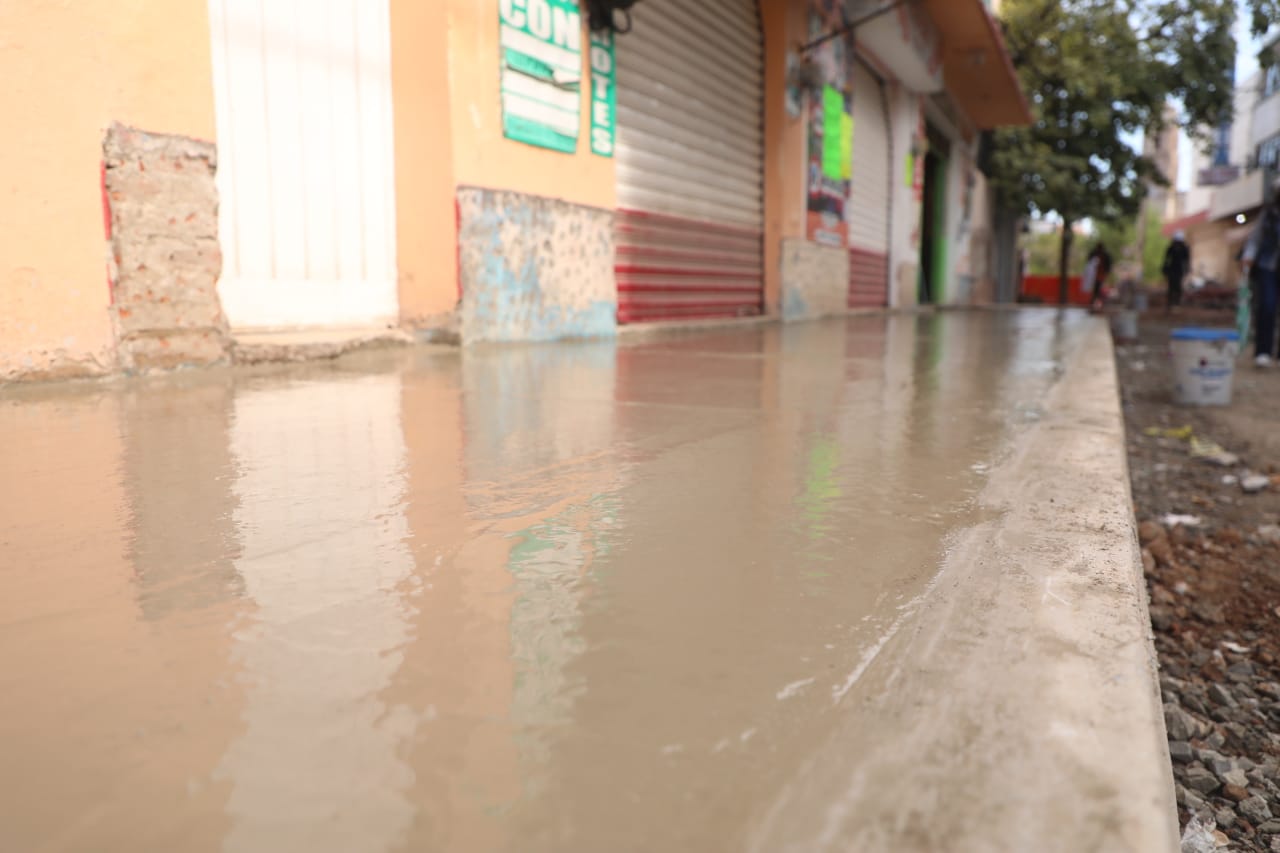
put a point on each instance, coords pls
(690, 158)
(869, 194)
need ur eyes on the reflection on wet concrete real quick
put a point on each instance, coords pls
(575, 597)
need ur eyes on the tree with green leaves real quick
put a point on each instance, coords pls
(1096, 72)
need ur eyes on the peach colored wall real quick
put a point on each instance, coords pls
(785, 23)
(426, 222)
(482, 157)
(69, 70)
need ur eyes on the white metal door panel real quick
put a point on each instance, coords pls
(870, 185)
(690, 130)
(305, 162)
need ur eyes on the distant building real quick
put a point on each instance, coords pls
(1228, 181)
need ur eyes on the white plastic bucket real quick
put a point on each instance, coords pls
(1204, 363)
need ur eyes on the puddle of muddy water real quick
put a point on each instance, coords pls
(578, 597)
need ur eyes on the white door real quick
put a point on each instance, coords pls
(305, 162)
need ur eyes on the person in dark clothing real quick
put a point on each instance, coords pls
(1261, 257)
(1177, 263)
(1101, 272)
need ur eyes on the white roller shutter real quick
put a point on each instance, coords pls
(689, 160)
(869, 193)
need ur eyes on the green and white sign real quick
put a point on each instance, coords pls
(541, 72)
(604, 95)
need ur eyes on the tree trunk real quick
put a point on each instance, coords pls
(1064, 260)
(1142, 235)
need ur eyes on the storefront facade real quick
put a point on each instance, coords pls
(491, 170)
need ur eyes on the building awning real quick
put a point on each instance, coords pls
(906, 42)
(1175, 225)
(1240, 196)
(977, 69)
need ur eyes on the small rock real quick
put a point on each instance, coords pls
(1254, 483)
(1201, 780)
(1275, 844)
(1241, 671)
(1149, 531)
(1181, 751)
(1177, 722)
(1271, 827)
(1225, 818)
(1148, 562)
(1217, 764)
(1161, 617)
(1208, 611)
(1222, 695)
(1235, 792)
(1162, 551)
(1215, 740)
(1235, 777)
(1255, 809)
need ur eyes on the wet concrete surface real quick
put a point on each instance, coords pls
(569, 597)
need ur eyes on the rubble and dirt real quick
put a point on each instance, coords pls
(1207, 500)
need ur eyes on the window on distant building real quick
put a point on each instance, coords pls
(1272, 82)
(1222, 146)
(1269, 153)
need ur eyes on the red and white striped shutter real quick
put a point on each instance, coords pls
(869, 194)
(690, 158)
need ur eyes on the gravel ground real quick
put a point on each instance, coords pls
(1211, 549)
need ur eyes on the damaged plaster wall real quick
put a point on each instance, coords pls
(165, 256)
(534, 269)
(815, 280)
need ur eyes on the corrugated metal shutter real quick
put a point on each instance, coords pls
(690, 157)
(869, 194)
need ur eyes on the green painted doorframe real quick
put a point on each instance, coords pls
(939, 202)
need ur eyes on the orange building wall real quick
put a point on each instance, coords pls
(785, 24)
(69, 70)
(482, 156)
(426, 224)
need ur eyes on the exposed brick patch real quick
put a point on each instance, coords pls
(165, 258)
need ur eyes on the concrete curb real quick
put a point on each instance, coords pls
(308, 346)
(1020, 708)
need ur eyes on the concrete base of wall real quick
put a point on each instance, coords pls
(165, 254)
(309, 345)
(534, 269)
(906, 284)
(815, 280)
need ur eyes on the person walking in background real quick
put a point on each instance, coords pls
(1177, 263)
(1101, 259)
(1261, 253)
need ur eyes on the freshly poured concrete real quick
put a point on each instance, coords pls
(865, 584)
